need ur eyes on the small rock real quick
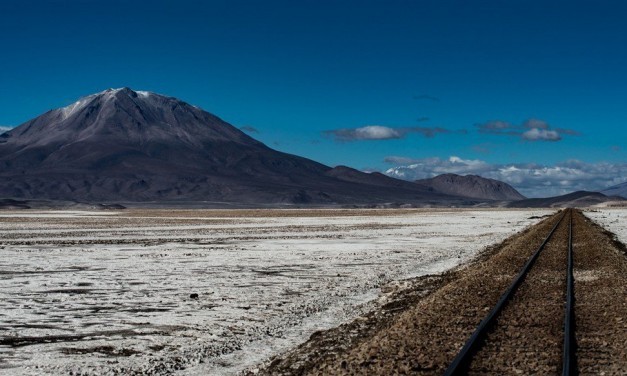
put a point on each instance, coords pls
(193, 296)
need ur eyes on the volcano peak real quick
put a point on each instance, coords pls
(126, 145)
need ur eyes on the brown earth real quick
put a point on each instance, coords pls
(600, 300)
(424, 326)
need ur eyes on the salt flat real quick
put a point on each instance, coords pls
(612, 219)
(109, 292)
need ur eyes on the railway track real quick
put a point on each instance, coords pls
(525, 337)
(499, 332)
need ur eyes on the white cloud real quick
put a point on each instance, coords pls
(541, 134)
(428, 167)
(375, 132)
(380, 132)
(532, 180)
(529, 130)
(369, 132)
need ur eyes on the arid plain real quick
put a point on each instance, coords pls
(211, 291)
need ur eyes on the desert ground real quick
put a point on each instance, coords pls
(200, 292)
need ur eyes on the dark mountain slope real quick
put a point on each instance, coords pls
(471, 186)
(374, 178)
(616, 190)
(575, 199)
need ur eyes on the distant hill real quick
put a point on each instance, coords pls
(575, 199)
(122, 145)
(617, 190)
(471, 186)
(373, 178)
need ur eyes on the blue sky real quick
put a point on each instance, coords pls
(488, 87)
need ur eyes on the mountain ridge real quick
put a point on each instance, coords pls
(472, 186)
(616, 190)
(573, 199)
(123, 145)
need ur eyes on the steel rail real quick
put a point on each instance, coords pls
(569, 364)
(461, 362)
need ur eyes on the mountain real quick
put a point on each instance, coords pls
(616, 190)
(121, 145)
(472, 186)
(575, 199)
(374, 178)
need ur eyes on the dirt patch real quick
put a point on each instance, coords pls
(600, 302)
(106, 350)
(18, 341)
(324, 346)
